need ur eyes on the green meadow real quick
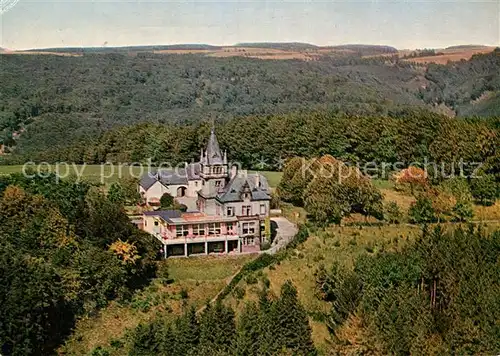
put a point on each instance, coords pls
(104, 174)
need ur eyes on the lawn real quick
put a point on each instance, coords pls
(106, 174)
(383, 183)
(273, 178)
(206, 268)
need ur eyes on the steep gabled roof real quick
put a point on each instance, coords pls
(238, 184)
(148, 180)
(165, 177)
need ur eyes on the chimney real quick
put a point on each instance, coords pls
(257, 180)
(234, 171)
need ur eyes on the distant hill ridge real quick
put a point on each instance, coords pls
(127, 48)
(466, 47)
(187, 46)
(363, 47)
(278, 45)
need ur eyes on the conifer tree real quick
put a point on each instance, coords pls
(217, 327)
(186, 336)
(153, 338)
(292, 332)
(249, 331)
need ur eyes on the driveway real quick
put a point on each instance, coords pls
(285, 232)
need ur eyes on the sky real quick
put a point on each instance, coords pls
(399, 23)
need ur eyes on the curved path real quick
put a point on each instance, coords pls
(285, 232)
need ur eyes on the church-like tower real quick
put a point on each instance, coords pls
(213, 165)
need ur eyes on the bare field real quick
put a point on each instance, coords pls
(452, 55)
(63, 54)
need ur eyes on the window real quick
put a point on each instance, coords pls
(156, 222)
(249, 228)
(262, 209)
(217, 170)
(217, 183)
(247, 196)
(248, 240)
(246, 210)
(196, 183)
(229, 226)
(199, 229)
(230, 211)
(214, 229)
(181, 230)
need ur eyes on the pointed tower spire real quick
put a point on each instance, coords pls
(214, 155)
(225, 157)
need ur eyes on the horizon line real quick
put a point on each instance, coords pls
(241, 44)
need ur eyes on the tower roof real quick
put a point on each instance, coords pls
(213, 153)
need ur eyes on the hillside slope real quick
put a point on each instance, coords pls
(67, 98)
(82, 95)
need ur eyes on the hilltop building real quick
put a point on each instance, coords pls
(230, 208)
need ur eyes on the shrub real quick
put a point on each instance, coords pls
(266, 281)
(184, 294)
(142, 302)
(392, 213)
(462, 211)
(458, 187)
(422, 211)
(265, 246)
(99, 351)
(166, 201)
(239, 292)
(116, 343)
(484, 189)
(163, 273)
(251, 279)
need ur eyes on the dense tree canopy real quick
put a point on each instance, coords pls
(55, 100)
(274, 327)
(66, 250)
(263, 142)
(438, 296)
(329, 189)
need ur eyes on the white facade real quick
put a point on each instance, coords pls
(156, 191)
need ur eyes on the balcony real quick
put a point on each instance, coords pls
(168, 239)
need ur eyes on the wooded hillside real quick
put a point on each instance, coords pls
(69, 98)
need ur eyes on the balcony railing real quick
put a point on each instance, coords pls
(170, 239)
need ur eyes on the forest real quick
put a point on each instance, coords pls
(67, 250)
(425, 280)
(63, 99)
(405, 136)
(436, 296)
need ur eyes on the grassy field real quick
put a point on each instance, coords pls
(201, 277)
(106, 174)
